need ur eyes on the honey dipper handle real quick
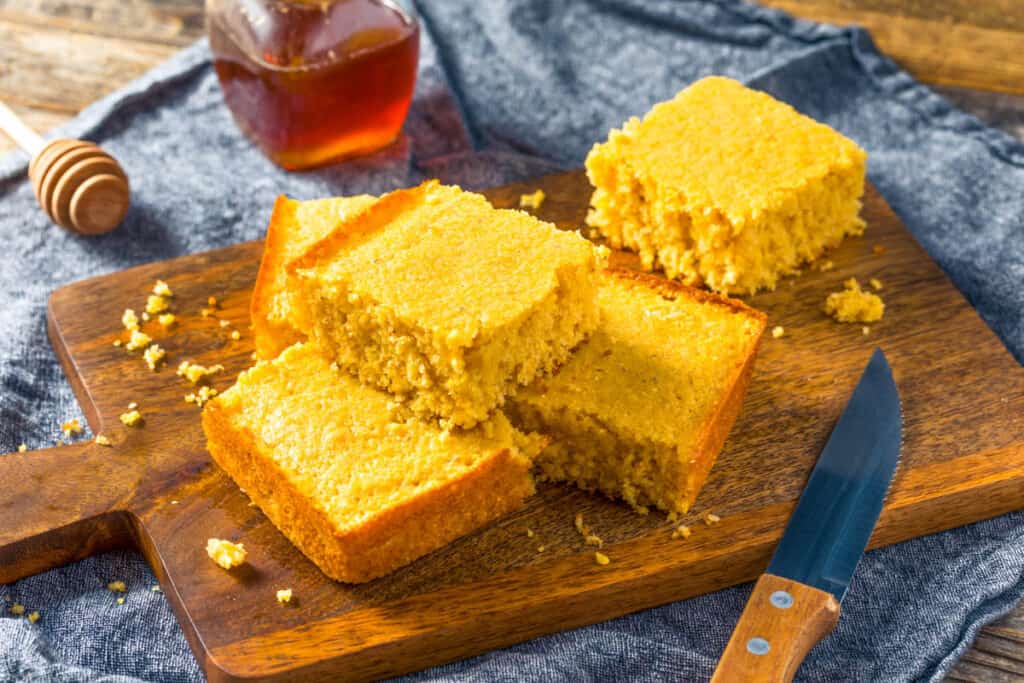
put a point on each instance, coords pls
(782, 621)
(25, 137)
(61, 504)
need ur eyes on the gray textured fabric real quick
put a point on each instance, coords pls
(510, 89)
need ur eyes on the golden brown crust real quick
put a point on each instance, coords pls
(271, 338)
(672, 289)
(385, 542)
(363, 224)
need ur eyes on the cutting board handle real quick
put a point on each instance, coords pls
(782, 621)
(62, 504)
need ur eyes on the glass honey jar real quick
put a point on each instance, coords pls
(312, 82)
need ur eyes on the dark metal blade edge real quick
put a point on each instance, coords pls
(837, 512)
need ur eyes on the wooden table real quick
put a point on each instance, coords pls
(57, 56)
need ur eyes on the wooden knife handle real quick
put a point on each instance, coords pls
(782, 621)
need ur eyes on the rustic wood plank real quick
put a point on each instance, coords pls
(959, 42)
(168, 22)
(493, 588)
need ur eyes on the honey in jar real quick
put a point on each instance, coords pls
(312, 82)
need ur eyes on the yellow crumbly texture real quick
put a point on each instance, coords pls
(641, 409)
(131, 418)
(726, 186)
(352, 478)
(533, 200)
(225, 553)
(284, 595)
(294, 227)
(196, 373)
(854, 305)
(435, 294)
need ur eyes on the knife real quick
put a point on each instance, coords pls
(795, 603)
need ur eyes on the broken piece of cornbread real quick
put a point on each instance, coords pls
(225, 553)
(854, 305)
(642, 408)
(294, 227)
(355, 484)
(433, 293)
(726, 186)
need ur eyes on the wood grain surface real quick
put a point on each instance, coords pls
(156, 488)
(113, 41)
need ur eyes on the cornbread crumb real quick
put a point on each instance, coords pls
(33, 617)
(133, 405)
(578, 523)
(120, 601)
(138, 340)
(145, 316)
(540, 548)
(196, 373)
(778, 331)
(117, 342)
(601, 558)
(681, 531)
(854, 305)
(167, 319)
(161, 289)
(23, 448)
(826, 266)
(102, 440)
(117, 587)
(17, 609)
(132, 418)
(174, 502)
(129, 319)
(711, 518)
(593, 539)
(865, 330)
(156, 304)
(71, 427)
(878, 249)
(236, 335)
(207, 312)
(225, 553)
(532, 201)
(212, 302)
(529, 533)
(225, 323)
(284, 595)
(200, 397)
(190, 398)
(154, 355)
(156, 588)
(876, 284)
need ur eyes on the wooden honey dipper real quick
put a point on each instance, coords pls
(78, 185)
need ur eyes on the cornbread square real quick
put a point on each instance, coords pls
(434, 295)
(726, 186)
(643, 407)
(355, 482)
(294, 226)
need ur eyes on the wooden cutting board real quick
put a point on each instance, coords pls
(156, 488)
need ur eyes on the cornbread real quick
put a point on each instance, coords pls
(294, 227)
(353, 480)
(434, 294)
(17, 609)
(132, 418)
(643, 407)
(284, 595)
(726, 186)
(138, 340)
(102, 440)
(854, 305)
(226, 554)
(534, 200)
(117, 587)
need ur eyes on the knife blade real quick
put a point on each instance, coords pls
(795, 603)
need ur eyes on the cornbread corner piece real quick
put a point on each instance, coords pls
(726, 186)
(643, 407)
(358, 484)
(434, 294)
(294, 227)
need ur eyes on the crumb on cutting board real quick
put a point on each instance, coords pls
(225, 553)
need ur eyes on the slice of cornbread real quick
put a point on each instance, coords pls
(435, 295)
(643, 407)
(726, 186)
(355, 482)
(294, 226)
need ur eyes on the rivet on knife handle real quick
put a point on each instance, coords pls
(782, 621)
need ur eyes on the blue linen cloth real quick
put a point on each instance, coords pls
(510, 89)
